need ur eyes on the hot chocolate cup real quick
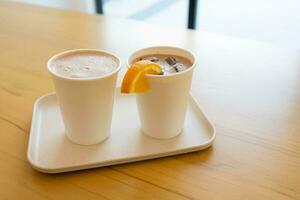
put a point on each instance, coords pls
(86, 104)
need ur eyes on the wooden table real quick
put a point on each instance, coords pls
(250, 90)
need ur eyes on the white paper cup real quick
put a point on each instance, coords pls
(162, 109)
(86, 104)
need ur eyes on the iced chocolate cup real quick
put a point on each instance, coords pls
(162, 109)
(85, 82)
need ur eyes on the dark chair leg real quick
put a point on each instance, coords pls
(192, 14)
(99, 6)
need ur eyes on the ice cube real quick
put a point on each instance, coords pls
(179, 67)
(153, 59)
(171, 60)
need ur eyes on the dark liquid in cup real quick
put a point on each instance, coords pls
(170, 63)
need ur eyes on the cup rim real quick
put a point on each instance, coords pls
(54, 57)
(171, 47)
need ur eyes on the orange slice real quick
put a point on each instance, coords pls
(135, 80)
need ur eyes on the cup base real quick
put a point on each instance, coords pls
(74, 141)
(170, 136)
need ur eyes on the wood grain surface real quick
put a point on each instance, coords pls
(250, 90)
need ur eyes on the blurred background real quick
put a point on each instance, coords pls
(272, 21)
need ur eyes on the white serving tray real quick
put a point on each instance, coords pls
(50, 151)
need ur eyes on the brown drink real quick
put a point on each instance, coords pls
(170, 63)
